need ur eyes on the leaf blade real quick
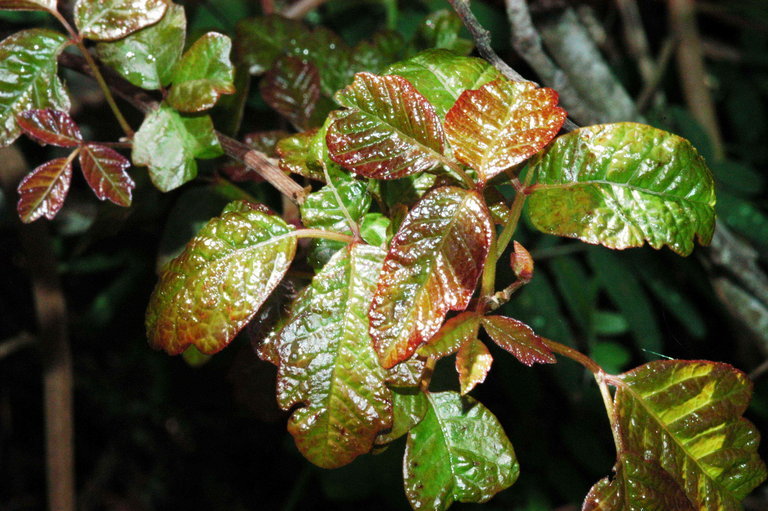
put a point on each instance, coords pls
(105, 171)
(519, 339)
(42, 191)
(292, 88)
(50, 126)
(105, 20)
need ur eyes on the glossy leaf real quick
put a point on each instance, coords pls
(221, 279)
(107, 20)
(260, 41)
(441, 76)
(473, 361)
(28, 5)
(458, 452)
(296, 155)
(686, 416)
(42, 191)
(292, 87)
(147, 57)
(203, 74)
(388, 131)
(432, 267)
(328, 365)
(441, 29)
(519, 339)
(457, 331)
(375, 229)
(622, 184)
(409, 405)
(28, 77)
(105, 171)
(501, 124)
(168, 143)
(407, 374)
(50, 127)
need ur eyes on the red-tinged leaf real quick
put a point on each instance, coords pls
(28, 5)
(43, 191)
(454, 333)
(292, 87)
(50, 127)
(521, 262)
(502, 124)
(432, 267)
(388, 131)
(105, 171)
(296, 155)
(473, 361)
(107, 20)
(519, 339)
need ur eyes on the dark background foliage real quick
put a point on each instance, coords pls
(155, 432)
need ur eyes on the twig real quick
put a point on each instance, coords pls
(14, 344)
(637, 42)
(662, 62)
(300, 8)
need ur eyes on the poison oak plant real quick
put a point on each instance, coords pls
(406, 152)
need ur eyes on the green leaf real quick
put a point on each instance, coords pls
(432, 267)
(441, 29)
(107, 20)
(457, 331)
(168, 143)
(409, 405)
(375, 229)
(221, 279)
(327, 363)
(622, 184)
(501, 124)
(388, 131)
(203, 74)
(519, 339)
(147, 57)
(441, 76)
(458, 452)
(105, 171)
(28, 5)
(296, 155)
(686, 416)
(381, 50)
(42, 191)
(28, 77)
(260, 41)
(292, 88)
(473, 361)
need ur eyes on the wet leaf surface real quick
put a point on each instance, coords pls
(297, 157)
(105, 171)
(454, 333)
(50, 127)
(432, 267)
(620, 185)
(519, 339)
(458, 452)
(473, 361)
(409, 405)
(42, 191)
(221, 279)
(292, 87)
(106, 20)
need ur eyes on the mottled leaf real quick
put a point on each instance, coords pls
(457, 331)
(432, 267)
(501, 124)
(322, 210)
(519, 339)
(521, 262)
(292, 87)
(296, 155)
(458, 452)
(407, 374)
(409, 405)
(42, 191)
(209, 293)
(28, 77)
(28, 5)
(441, 76)
(441, 29)
(203, 74)
(388, 131)
(622, 184)
(168, 143)
(50, 127)
(106, 20)
(105, 171)
(473, 361)
(686, 417)
(328, 365)
(146, 58)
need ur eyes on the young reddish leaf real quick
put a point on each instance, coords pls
(686, 416)
(105, 170)
(406, 374)
(454, 333)
(458, 452)
(42, 191)
(107, 20)
(518, 338)
(388, 131)
(620, 185)
(521, 262)
(473, 361)
(327, 364)
(502, 124)
(28, 5)
(221, 279)
(28, 77)
(432, 267)
(292, 87)
(50, 127)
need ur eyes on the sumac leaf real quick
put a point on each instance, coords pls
(432, 267)
(454, 333)
(50, 127)
(519, 339)
(105, 171)
(620, 185)
(473, 361)
(42, 191)
(409, 405)
(388, 131)
(209, 293)
(106, 20)
(28, 5)
(292, 87)
(28, 77)
(327, 364)
(458, 452)
(686, 417)
(501, 124)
